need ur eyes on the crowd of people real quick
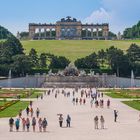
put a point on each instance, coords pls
(86, 96)
(29, 121)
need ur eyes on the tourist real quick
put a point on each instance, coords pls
(73, 100)
(101, 103)
(20, 113)
(115, 115)
(76, 101)
(27, 124)
(96, 103)
(68, 120)
(34, 123)
(17, 122)
(84, 101)
(31, 111)
(55, 95)
(44, 124)
(42, 97)
(37, 96)
(73, 93)
(96, 122)
(37, 112)
(31, 103)
(27, 111)
(60, 120)
(102, 95)
(91, 103)
(102, 120)
(108, 103)
(40, 124)
(23, 124)
(80, 101)
(11, 124)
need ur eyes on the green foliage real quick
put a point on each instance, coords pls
(24, 35)
(89, 62)
(21, 64)
(13, 110)
(4, 33)
(133, 32)
(13, 45)
(134, 104)
(43, 59)
(58, 62)
(34, 57)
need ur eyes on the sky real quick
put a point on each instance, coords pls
(120, 14)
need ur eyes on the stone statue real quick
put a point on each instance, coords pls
(71, 70)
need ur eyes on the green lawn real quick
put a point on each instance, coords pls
(74, 49)
(134, 104)
(13, 110)
(34, 95)
(122, 93)
(2, 102)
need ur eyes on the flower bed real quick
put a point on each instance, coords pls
(8, 104)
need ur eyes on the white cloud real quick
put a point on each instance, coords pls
(120, 14)
(98, 16)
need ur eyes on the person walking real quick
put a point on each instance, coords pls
(31, 111)
(20, 113)
(60, 120)
(34, 123)
(76, 101)
(27, 124)
(84, 101)
(11, 124)
(44, 124)
(91, 103)
(23, 124)
(68, 120)
(37, 112)
(115, 115)
(40, 124)
(27, 111)
(102, 120)
(17, 122)
(73, 100)
(96, 122)
(108, 103)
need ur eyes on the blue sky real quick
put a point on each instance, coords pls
(16, 14)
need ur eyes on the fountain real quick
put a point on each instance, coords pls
(71, 70)
(9, 78)
(132, 79)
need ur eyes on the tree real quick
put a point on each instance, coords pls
(133, 32)
(133, 54)
(89, 62)
(43, 59)
(21, 64)
(60, 62)
(4, 33)
(102, 56)
(114, 57)
(34, 57)
(14, 45)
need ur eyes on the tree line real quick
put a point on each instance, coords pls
(133, 32)
(114, 59)
(12, 57)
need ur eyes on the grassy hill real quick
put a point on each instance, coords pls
(74, 49)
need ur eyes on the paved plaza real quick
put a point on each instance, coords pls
(82, 124)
